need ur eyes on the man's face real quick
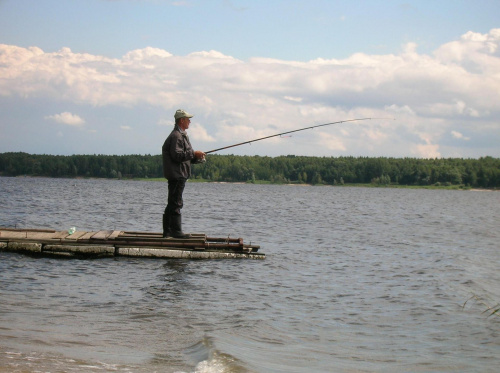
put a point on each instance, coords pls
(184, 123)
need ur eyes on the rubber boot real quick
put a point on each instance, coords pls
(176, 227)
(166, 226)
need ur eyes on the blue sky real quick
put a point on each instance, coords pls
(288, 29)
(106, 76)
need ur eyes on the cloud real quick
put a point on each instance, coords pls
(458, 135)
(67, 118)
(199, 133)
(165, 122)
(296, 99)
(331, 142)
(457, 86)
(426, 151)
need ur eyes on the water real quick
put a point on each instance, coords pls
(355, 280)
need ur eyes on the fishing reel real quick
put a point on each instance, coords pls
(199, 160)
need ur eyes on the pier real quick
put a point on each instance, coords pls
(112, 243)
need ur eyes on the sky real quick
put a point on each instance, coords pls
(106, 76)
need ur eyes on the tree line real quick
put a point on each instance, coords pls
(483, 172)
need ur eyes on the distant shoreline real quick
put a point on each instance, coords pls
(450, 173)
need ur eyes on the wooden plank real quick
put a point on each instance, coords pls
(40, 235)
(102, 235)
(186, 240)
(154, 234)
(43, 230)
(76, 235)
(160, 239)
(86, 236)
(60, 235)
(223, 239)
(128, 236)
(199, 235)
(27, 230)
(134, 233)
(13, 234)
(114, 235)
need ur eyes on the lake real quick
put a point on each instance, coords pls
(355, 280)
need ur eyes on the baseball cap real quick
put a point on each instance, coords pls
(182, 114)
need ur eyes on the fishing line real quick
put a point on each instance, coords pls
(285, 133)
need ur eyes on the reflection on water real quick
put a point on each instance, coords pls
(355, 279)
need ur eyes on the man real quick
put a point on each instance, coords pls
(177, 156)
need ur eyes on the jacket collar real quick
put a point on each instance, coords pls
(180, 130)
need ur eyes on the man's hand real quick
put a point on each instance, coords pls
(198, 154)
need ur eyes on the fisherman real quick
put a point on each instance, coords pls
(177, 155)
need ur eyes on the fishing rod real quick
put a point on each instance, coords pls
(285, 133)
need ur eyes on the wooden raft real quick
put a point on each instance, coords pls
(123, 243)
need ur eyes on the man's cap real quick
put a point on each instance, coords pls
(182, 114)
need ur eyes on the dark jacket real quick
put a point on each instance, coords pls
(177, 154)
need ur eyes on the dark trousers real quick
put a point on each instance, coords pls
(175, 202)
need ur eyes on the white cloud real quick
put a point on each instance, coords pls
(426, 151)
(165, 122)
(67, 118)
(199, 133)
(459, 84)
(295, 99)
(458, 135)
(332, 142)
(126, 128)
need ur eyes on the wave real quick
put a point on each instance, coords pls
(210, 360)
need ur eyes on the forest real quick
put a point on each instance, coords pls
(481, 173)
